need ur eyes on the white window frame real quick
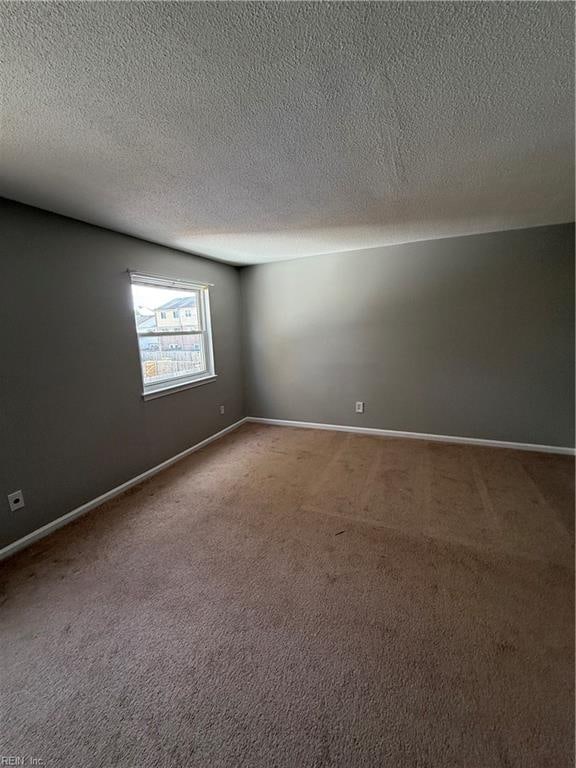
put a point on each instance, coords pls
(176, 384)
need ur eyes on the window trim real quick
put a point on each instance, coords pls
(172, 388)
(179, 383)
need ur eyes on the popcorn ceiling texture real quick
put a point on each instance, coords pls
(251, 132)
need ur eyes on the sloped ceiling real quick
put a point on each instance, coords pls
(252, 132)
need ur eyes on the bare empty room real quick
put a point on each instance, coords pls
(287, 384)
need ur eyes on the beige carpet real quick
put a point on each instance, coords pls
(299, 598)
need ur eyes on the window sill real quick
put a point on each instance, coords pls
(169, 389)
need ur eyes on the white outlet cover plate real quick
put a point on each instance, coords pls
(16, 500)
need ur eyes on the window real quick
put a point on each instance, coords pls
(174, 354)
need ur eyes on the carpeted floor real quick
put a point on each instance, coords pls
(298, 598)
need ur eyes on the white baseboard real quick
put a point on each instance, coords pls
(40, 533)
(45, 530)
(417, 436)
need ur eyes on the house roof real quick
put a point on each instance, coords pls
(145, 322)
(187, 301)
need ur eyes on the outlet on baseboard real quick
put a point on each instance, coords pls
(359, 406)
(16, 500)
(222, 410)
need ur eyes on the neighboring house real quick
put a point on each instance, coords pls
(175, 315)
(178, 314)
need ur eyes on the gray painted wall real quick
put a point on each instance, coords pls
(73, 424)
(470, 336)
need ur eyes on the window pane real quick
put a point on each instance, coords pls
(168, 357)
(174, 333)
(165, 309)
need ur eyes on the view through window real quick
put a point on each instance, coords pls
(173, 326)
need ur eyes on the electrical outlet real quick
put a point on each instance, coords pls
(359, 406)
(16, 500)
(222, 409)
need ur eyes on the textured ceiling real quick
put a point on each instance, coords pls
(251, 132)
